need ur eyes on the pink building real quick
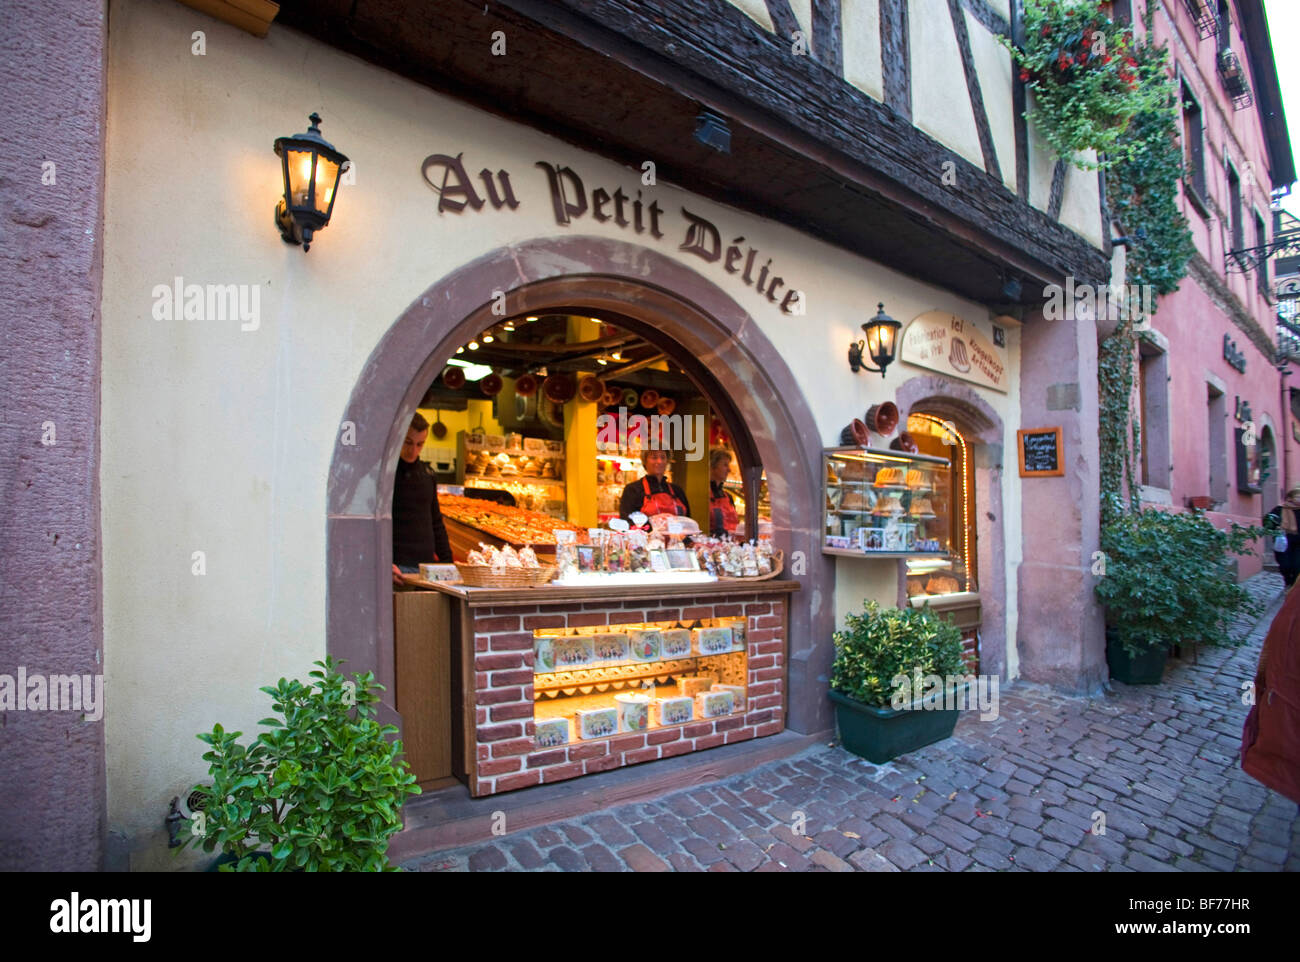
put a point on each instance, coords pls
(1210, 380)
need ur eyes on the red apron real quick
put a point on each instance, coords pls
(723, 506)
(661, 503)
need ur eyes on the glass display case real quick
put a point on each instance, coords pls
(887, 503)
(592, 683)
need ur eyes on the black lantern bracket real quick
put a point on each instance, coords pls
(311, 169)
(879, 344)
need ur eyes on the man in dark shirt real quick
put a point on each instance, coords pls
(418, 532)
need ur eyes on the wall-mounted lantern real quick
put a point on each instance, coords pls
(880, 343)
(311, 168)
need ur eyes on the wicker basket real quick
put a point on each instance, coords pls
(481, 576)
(778, 564)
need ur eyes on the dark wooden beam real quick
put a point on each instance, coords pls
(784, 22)
(828, 44)
(1057, 197)
(973, 90)
(1019, 105)
(895, 56)
(989, 17)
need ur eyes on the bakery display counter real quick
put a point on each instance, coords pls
(886, 503)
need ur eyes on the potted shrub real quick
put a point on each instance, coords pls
(882, 658)
(320, 790)
(1164, 583)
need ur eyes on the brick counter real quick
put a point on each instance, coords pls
(497, 627)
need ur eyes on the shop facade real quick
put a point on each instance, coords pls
(270, 535)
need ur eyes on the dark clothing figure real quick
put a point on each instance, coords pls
(418, 532)
(635, 497)
(1288, 561)
(1270, 737)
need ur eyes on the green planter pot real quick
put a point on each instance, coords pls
(1145, 669)
(879, 734)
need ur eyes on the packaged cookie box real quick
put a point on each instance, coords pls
(609, 648)
(551, 732)
(714, 641)
(574, 651)
(738, 632)
(676, 643)
(645, 644)
(738, 693)
(597, 722)
(674, 711)
(692, 685)
(544, 652)
(711, 704)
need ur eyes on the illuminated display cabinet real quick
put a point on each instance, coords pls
(887, 503)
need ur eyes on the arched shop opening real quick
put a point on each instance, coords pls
(952, 421)
(593, 298)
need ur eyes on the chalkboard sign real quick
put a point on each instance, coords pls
(1041, 454)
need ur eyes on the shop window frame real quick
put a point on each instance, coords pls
(1194, 179)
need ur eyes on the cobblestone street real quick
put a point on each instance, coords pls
(1020, 792)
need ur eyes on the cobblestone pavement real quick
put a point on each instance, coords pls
(1016, 793)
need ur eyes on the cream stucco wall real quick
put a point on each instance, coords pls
(860, 40)
(940, 101)
(757, 11)
(993, 67)
(218, 440)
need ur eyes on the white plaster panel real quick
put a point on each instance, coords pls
(860, 41)
(802, 10)
(993, 67)
(940, 101)
(1042, 161)
(1081, 202)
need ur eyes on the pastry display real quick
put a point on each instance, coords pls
(831, 476)
(551, 732)
(889, 476)
(855, 499)
(942, 585)
(729, 559)
(854, 470)
(674, 711)
(914, 588)
(889, 504)
(915, 479)
(922, 506)
(515, 525)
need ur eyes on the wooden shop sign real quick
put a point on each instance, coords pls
(955, 346)
(635, 211)
(1232, 354)
(1042, 452)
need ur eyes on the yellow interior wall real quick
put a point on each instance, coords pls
(460, 421)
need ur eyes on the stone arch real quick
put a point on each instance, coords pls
(577, 274)
(982, 426)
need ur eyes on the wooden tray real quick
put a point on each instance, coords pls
(778, 565)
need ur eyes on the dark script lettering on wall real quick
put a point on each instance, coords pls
(571, 202)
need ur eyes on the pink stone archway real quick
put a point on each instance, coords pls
(578, 274)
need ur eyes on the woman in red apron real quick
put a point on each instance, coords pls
(653, 494)
(722, 508)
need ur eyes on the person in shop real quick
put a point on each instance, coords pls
(722, 506)
(1284, 522)
(653, 494)
(419, 534)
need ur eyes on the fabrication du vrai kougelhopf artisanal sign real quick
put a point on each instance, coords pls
(1042, 453)
(957, 347)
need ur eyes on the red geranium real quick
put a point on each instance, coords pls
(1024, 75)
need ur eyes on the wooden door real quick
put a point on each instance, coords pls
(422, 639)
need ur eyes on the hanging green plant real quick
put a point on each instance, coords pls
(1118, 431)
(1081, 67)
(1142, 186)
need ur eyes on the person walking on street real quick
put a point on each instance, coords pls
(1284, 521)
(1270, 738)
